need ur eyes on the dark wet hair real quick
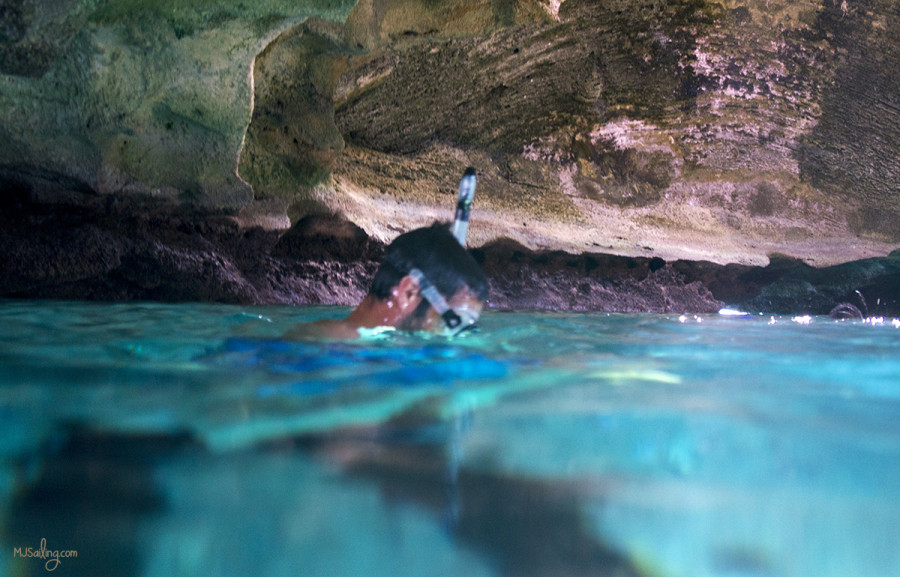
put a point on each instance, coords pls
(436, 252)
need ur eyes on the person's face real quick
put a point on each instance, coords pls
(464, 302)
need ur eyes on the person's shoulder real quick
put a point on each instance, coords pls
(323, 329)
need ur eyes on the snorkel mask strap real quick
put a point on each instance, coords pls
(437, 300)
(464, 205)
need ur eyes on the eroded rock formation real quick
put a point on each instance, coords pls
(682, 129)
(136, 99)
(632, 155)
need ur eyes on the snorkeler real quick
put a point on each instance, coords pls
(427, 282)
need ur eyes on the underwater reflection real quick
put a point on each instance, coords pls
(89, 497)
(529, 527)
(154, 504)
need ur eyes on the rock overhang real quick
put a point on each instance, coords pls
(682, 130)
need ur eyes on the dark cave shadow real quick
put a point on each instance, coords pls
(93, 494)
(89, 496)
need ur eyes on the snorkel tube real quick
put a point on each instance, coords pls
(464, 205)
(455, 321)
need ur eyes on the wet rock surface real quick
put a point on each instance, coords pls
(162, 255)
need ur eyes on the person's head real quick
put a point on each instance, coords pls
(431, 256)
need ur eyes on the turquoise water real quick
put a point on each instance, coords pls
(161, 440)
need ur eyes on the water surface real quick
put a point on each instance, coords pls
(190, 439)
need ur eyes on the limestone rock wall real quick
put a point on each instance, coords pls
(715, 133)
(679, 129)
(138, 98)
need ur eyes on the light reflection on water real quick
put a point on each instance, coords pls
(174, 439)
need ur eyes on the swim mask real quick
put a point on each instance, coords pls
(455, 321)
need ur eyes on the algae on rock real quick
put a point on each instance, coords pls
(147, 97)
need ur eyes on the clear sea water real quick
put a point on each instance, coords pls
(161, 440)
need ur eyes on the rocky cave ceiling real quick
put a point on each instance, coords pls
(721, 131)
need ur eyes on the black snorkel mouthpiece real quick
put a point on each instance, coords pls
(464, 205)
(451, 319)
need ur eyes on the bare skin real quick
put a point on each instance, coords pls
(395, 311)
